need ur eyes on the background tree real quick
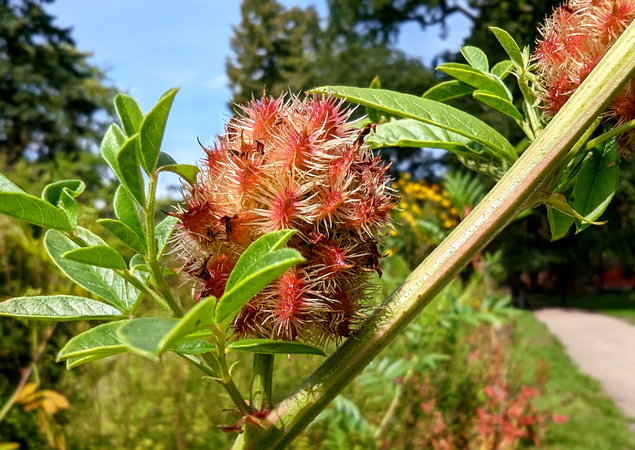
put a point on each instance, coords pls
(52, 101)
(54, 107)
(274, 49)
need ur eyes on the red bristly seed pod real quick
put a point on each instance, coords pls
(574, 40)
(297, 164)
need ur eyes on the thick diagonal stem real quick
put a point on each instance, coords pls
(509, 197)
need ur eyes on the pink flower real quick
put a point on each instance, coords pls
(297, 164)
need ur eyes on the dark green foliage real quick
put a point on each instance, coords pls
(274, 49)
(50, 95)
(279, 50)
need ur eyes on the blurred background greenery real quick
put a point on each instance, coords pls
(474, 371)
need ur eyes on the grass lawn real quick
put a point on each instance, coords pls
(594, 421)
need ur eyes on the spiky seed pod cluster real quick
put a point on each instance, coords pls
(290, 164)
(574, 40)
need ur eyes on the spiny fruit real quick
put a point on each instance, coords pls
(574, 40)
(297, 164)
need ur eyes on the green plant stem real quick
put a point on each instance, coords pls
(151, 244)
(529, 100)
(26, 372)
(262, 382)
(224, 376)
(506, 200)
(201, 366)
(159, 300)
(613, 132)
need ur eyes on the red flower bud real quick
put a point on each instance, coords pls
(294, 164)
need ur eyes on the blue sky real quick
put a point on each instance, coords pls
(148, 46)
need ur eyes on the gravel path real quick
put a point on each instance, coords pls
(602, 346)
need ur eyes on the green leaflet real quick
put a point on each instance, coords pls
(33, 210)
(110, 145)
(62, 194)
(412, 133)
(58, 308)
(559, 223)
(430, 112)
(99, 255)
(502, 69)
(498, 103)
(256, 277)
(509, 45)
(194, 347)
(127, 212)
(260, 247)
(105, 283)
(448, 90)
(7, 185)
(475, 57)
(152, 129)
(143, 336)
(163, 231)
(186, 171)
(101, 341)
(129, 113)
(475, 78)
(596, 183)
(125, 234)
(52, 193)
(272, 347)
(69, 205)
(130, 170)
(199, 317)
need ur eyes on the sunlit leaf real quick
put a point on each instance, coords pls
(200, 316)
(413, 133)
(33, 210)
(7, 185)
(52, 193)
(502, 69)
(194, 347)
(430, 112)
(475, 57)
(186, 171)
(127, 212)
(475, 78)
(99, 255)
(126, 234)
(163, 231)
(143, 336)
(262, 246)
(256, 277)
(101, 340)
(110, 145)
(509, 45)
(152, 130)
(498, 103)
(130, 170)
(105, 283)
(129, 113)
(58, 308)
(448, 90)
